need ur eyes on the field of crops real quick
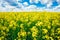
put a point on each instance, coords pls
(29, 25)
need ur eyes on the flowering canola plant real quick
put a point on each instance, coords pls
(29, 25)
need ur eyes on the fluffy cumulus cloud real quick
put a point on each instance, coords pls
(34, 1)
(44, 1)
(31, 5)
(49, 4)
(57, 7)
(25, 4)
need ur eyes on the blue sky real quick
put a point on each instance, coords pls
(29, 5)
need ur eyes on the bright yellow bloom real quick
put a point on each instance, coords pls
(49, 27)
(51, 38)
(58, 32)
(45, 30)
(46, 36)
(58, 37)
(21, 33)
(34, 29)
(2, 37)
(29, 23)
(7, 30)
(22, 26)
(34, 34)
(39, 23)
(34, 39)
(19, 39)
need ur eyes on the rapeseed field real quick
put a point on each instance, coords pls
(29, 25)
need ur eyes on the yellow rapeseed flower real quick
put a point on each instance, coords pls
(21, 33)
(46, 36)
(7, 30)
(22, 26)
(34, 29)
(34, 34)
(29, 23)
(34, 39)
(51, 38)
(58, 37)
(58, 32)
(45, 30)
(3, 28)
(39, 23)
(49, 27)
(2, 37)
(19, 39)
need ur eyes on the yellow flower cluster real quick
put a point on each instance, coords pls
(39, 23)
(34, 31)
(45, 30)
(29, 25)
(21, 33)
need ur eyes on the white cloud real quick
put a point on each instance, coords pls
(44, 1)
(32, 6)
(20, 5)
(25, 4)
(4, 9)
(29, 8)
(49, 4)
(57, 7)
(34, 1)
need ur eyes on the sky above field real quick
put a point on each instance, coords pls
(29, 5)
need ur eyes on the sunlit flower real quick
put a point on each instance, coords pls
(34, 34)
(34, 39)
(34, 29)
(22, 33)
(46, 36)
(19, 39)
(51, 38)
(22, 26)
(7, 29)
(2, 37)
(58, 37)
(49, 27)
(45, 30)
(29, 23)
(39, 23)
